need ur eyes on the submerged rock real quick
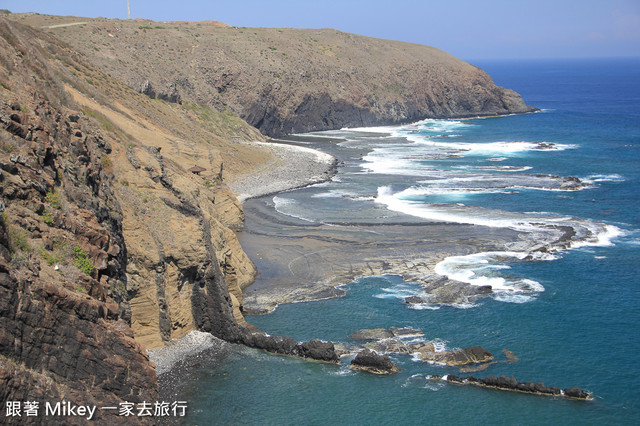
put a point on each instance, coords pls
(372, 334)
(384, 333)
(367, 360)
(472, 355)
(406, 331)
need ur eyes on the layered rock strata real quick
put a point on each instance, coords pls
(108, 244)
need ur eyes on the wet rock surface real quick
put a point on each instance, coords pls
(472, 355)
(389, 340)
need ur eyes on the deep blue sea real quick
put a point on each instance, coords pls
(572, 317)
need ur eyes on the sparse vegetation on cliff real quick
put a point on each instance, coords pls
(82, 261)
(290, 80)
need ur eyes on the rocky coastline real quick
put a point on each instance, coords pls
(110, 243)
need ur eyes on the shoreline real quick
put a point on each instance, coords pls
(182, 349)
(292, 167)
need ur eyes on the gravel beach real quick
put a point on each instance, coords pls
(292, 167)
(180, 349)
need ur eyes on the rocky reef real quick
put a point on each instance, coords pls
(313, 349)
(511, 384)
(385, 341)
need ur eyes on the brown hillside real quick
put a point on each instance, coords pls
(286, 80)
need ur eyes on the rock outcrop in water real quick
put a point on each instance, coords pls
(511, 384)
(313, 349)
(288, 80)
(385, 341)
(371, 362)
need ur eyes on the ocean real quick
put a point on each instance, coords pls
(566, 294)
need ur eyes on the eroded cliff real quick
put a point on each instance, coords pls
(108, 243)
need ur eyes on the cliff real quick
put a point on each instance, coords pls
(108, 243)
(286, 80)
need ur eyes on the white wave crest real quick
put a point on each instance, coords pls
(286, 206)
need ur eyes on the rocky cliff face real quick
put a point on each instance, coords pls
(288, 80)
(108, 244)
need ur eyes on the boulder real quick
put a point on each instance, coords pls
(316, 349)
(367, 360)
(576, 392)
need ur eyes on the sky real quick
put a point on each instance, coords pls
(468, 29)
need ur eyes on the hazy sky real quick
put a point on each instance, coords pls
(469, 29)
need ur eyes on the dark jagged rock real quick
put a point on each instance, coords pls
(148, 90)
(313, 349)
(511, 384)
(274, 344)
(316, 349)
(171, 95)
(576, 393)
(414, 300)
(370, 361)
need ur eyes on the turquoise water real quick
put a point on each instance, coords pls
(572, 321)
